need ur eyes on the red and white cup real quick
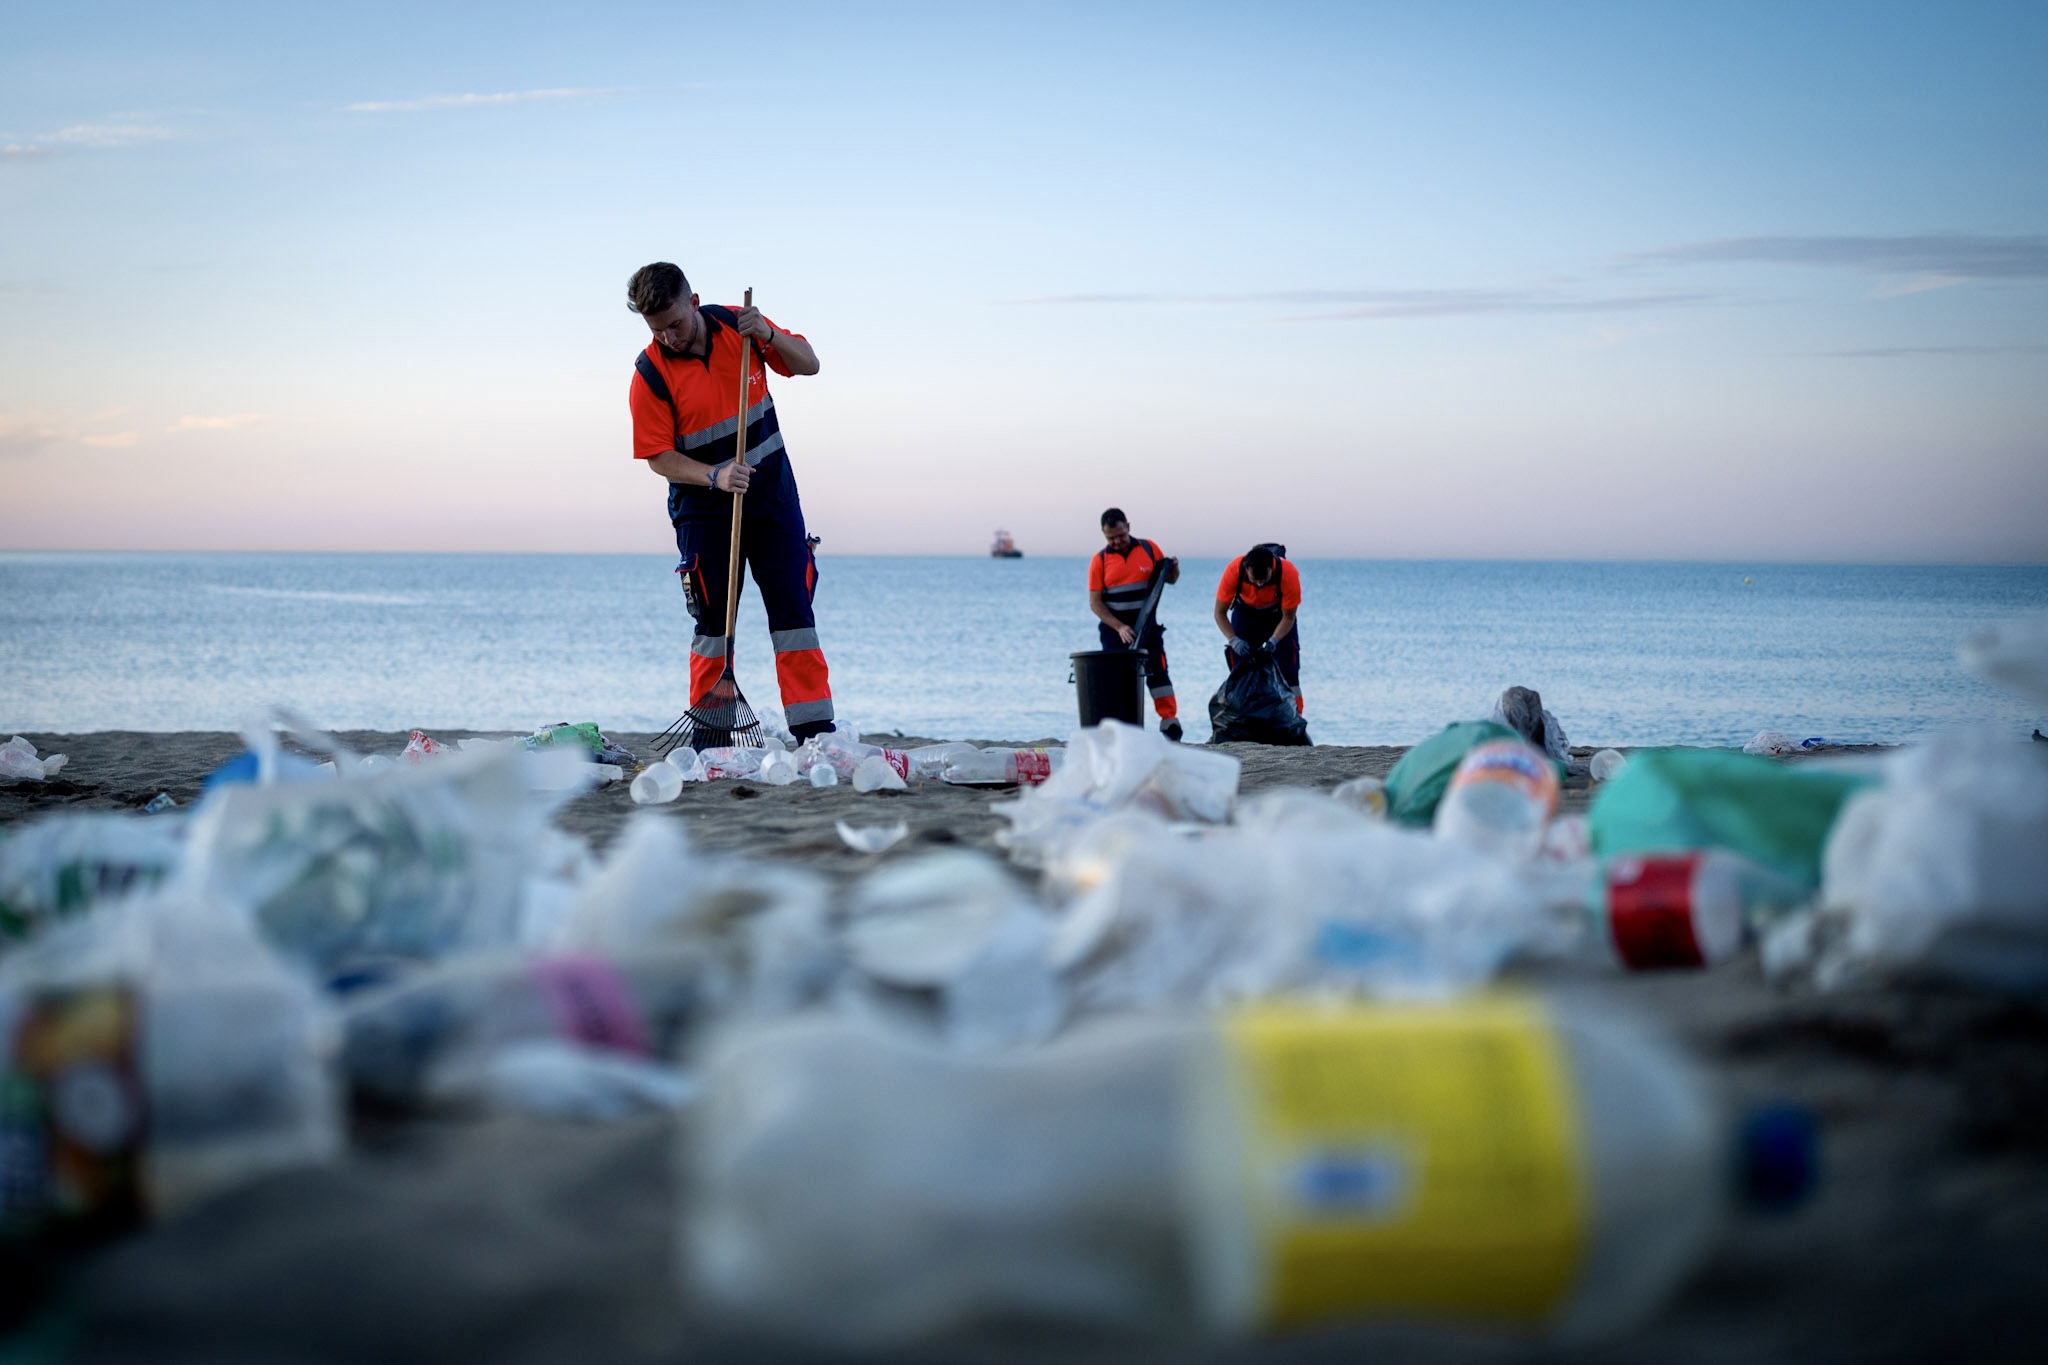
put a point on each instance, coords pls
(1673, 909)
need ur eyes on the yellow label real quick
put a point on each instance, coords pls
(1416, 1160)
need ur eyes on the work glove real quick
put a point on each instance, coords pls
(1265, 649)
(1241, 648)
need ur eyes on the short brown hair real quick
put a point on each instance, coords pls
(655, 288)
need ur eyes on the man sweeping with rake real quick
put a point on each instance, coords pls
(703, 420)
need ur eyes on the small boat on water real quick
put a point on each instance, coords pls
(1004, 548)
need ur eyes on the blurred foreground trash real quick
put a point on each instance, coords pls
(1112, 766)
(1940, 872)
(1500, 798)
(1670, 910)
(377, 869)
(1331, 901)
(154, 1053)
(1776, 816)
(1417, 782)
(2013, 656)
(18, 762)
(871, 838)
(440, 1037)
(1498, 1161)
(61, 865)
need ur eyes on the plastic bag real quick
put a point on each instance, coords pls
(408, 863)
(1521, 709)
(1256, 705)
(1943, 870)
(62, 865)
(1776, 816)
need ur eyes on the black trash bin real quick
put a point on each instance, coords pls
(1110, 685)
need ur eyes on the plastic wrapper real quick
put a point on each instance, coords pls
(19, 763)
(1110, 767)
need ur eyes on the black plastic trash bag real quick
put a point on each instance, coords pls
(1255, 705)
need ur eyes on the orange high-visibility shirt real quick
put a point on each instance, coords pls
(1286, 593)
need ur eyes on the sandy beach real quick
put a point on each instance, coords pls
(521, 1240)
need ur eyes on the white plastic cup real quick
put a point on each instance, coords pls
(822, 775)
(656, 785)
(875, 773)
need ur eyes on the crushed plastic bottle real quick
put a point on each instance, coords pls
(731, 761)
(1498, 1161)
(1004, 767)
(1500, 798)
(845, 754)
(931, 760)
(158, 804)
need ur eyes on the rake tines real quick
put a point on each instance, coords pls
(722, 719)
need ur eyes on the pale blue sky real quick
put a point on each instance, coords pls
(1715, 281)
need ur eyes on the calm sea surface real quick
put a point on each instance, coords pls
(977, 648)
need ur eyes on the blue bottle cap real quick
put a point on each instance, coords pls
(1780, 1157)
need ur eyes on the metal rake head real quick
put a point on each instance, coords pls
(721, 719)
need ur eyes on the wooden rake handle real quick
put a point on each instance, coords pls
(732, 557)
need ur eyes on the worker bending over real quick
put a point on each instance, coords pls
(1119, 578)
(1255, 604)
(686, 424)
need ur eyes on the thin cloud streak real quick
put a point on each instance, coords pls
(103, 135)
(1394, 304)
(227, 423)
(429, 102)
(1944, 255)
(1900, 352)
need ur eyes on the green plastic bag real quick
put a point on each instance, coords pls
(586, 734)
(1417, 782)
(1773, 814)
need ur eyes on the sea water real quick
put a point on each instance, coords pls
(1623, 653)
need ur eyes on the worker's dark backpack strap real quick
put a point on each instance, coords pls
(651, 373)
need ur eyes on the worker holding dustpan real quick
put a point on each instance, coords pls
(729, 481)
